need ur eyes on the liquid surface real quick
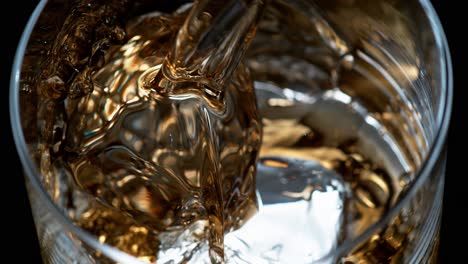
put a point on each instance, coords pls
(278, 163)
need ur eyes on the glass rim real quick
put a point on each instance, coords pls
(435, 150)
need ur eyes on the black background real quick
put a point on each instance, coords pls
(17, 226)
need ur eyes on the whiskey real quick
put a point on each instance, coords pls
(181, 145)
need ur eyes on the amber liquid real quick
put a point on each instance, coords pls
(265, 158)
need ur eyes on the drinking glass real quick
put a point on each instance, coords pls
(404, 43)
